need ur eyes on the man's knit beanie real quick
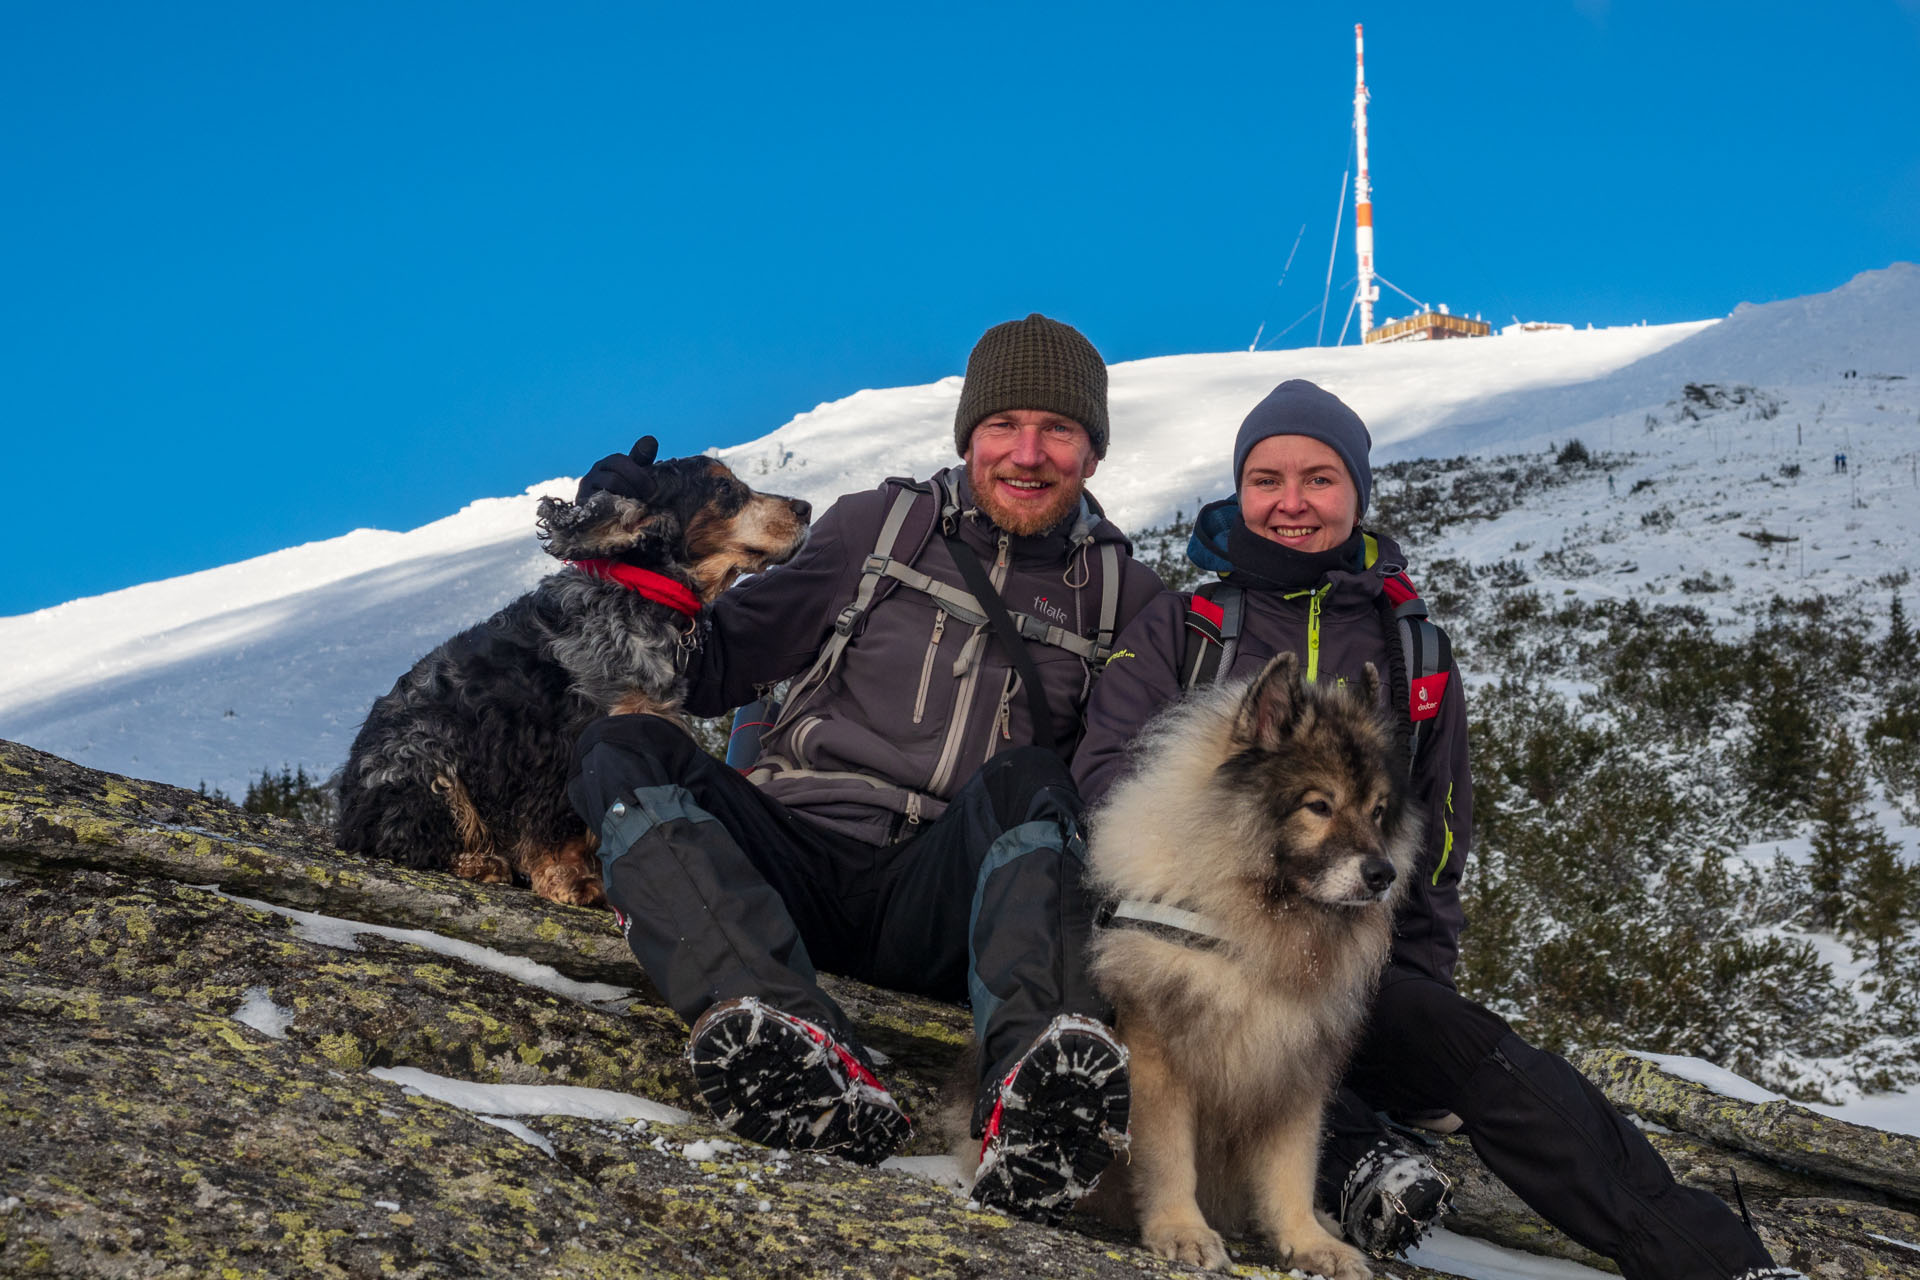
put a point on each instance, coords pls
(1034, 363)
(1299, 408)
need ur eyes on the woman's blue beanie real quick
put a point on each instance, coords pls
(1299, 408)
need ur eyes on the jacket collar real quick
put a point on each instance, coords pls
(1207, 548)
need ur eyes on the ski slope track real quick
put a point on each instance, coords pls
(212, 676)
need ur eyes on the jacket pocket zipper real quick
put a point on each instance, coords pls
(950, 750)
(1003, 718)
(926, 666)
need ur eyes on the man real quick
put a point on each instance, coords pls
(910, 821)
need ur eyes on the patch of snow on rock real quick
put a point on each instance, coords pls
(331, 931)
(533, 1099)
(257, 1010)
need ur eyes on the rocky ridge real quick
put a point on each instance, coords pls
(145, 1131)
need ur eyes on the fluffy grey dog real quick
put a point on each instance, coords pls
(1256, 852)
(463, 765)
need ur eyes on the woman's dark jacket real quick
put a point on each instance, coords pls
(1144, 675)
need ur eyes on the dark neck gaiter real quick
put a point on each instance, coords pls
(1259, 564)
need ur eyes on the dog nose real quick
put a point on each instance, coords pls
(801, 510)
(1377, 874)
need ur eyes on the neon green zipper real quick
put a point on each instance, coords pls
(1314, 597)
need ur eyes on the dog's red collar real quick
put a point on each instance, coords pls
(646, 582)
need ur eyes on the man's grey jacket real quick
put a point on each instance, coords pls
(920, 696)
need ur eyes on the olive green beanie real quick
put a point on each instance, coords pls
(1034, 363)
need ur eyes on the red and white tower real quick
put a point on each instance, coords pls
(1368, 292)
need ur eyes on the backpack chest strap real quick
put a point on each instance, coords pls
(965, 606)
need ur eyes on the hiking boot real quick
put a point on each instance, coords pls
(1058, 1118)
(781, 1081)
(1392, 1198)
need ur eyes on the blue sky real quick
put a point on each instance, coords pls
(274, 272)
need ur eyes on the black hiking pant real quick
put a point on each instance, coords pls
(724, 892)
(1540, 1126)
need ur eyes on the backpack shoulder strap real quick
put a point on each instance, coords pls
(910, 520)
(1428, 654)
(1109, 604)
(873, 571)
(1214, 612)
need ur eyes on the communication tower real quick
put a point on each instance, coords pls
(1428, 323)
(1368, 292)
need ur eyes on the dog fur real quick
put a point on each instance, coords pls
(463, 766)
(1273, 809)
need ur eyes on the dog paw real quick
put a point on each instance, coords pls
(573, 891)
(1328, 1258)
(483, 868)
(1191, 1242)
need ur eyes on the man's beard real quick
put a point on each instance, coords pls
(1026, 519)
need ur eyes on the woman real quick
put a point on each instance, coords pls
(1302, 575)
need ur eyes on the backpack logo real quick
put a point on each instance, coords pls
(1427, 692)
(1047, 609)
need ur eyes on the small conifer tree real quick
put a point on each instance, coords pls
(1783, 755)
(1843, 838)
(1884, 899)
(1901, 646)
(293, 793)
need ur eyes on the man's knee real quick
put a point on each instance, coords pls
(616, 755)
(651, 737)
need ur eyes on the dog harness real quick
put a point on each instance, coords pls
(654, 586)
(1168, 923)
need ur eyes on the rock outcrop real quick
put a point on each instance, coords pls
(196, 1079)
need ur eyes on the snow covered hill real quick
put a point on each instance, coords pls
(212, 676)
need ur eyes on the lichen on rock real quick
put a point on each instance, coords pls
(147, 1130)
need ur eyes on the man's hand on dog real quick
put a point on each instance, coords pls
(623, 474)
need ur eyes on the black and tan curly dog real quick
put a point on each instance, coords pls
(463, 766)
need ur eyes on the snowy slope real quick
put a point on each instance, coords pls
(1174, 417)
(212, 676)
(216, 674)
(1868, 325)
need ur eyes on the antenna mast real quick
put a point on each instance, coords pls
(1368, 292)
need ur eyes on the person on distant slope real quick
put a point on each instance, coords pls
(1298, 573)
(910, 821)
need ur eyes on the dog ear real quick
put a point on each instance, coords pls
(603, 526)
(1370, 686)
(644, 451)
(1271, 704)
